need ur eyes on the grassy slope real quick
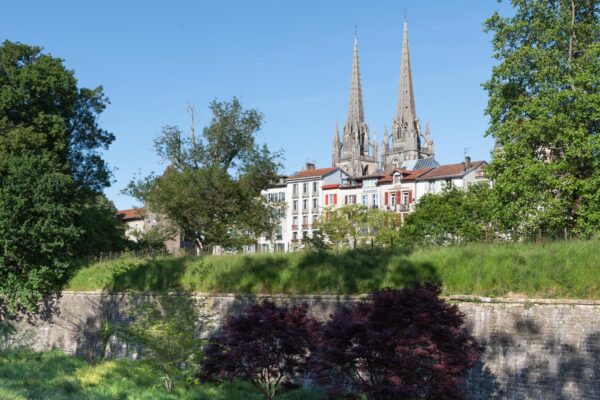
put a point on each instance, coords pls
(53, 375)
(553, 270)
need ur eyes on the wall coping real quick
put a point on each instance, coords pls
(454, 298)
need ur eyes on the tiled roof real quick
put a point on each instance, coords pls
(132, 213)
(406, 175)
(332, 186)
(312, 173)
(450, 171)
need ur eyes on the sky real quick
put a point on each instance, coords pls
(289, 59)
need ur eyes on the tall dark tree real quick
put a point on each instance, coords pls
(544, 108)
(50, 167)
(211, 188)
(399, 344)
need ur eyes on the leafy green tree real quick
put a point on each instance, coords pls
(354, 225)
(166, 327)
(544, 107)
(102, 231)
(451, 217)
(211, 188)
(50, 169)
(38, 228)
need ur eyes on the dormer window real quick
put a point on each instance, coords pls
(397, 179)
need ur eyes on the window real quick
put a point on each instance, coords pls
(375, 200)
(304, 234)
(315, 204)
(279, 233)
(281, 196)
(304, 204)
(305, 188)
(331, 199)
(431, 187)
(350, 199)
(393, 199)
(295, 220)
(304, 221)
(294, 236)
(397, 179)
(365, 200)
(315, 187)
(404, 197)
(295, 205)
(369, 183)
(295, 188)
(314, 218)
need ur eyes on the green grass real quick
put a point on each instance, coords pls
(550, 270)
(25, 374)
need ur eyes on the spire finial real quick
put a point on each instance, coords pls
(404, 14)
(355, 31)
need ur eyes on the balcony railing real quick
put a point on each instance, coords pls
(295, 195)
(295, 211)
(305, 226)
(305, 194)
(294, 227)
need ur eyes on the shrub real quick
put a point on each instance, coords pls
(399, 344)
(266, 344)
(166, 328)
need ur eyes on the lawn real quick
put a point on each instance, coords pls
(53, 375)
(548, 270)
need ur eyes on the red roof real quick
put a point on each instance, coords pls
(312, 173)
(407, 175)
(132, 213)
(332, 186)
(450, 171)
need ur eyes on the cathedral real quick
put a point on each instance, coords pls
(357, 154)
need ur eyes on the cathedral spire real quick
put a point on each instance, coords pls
(356, 113)
(336, 146)
(406, 112)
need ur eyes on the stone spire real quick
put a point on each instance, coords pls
(335, 150)
(375, 146)
(356, 115)
(406, 112)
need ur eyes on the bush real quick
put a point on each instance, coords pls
(165, 327)
(399, 344)
(266, 344)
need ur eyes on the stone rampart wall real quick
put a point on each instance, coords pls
(534, 349)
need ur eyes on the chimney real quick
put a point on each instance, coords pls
(467, 162)
(310, 166)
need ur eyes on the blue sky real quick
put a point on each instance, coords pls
(289, 59)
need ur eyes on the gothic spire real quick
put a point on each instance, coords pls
(355, 105)
(406, 112)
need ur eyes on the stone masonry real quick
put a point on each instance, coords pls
(534, 349)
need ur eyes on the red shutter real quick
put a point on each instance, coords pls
(410, 197)
(326, 199)
(386, 198)
(346, 199)
(398, 198)
(335, 199)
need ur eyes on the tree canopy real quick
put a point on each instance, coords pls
(51, 171)
(544, 107)
(211, 188)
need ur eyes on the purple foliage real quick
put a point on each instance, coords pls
(267, 345)
(399, 344)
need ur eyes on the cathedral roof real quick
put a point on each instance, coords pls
(130, 214)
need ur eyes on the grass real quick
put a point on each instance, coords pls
(25, 374)
(549, 270)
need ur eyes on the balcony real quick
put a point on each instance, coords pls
(305, 194)
(305, 226)
(295, 212)
(315, 193)
(295, 195)
(294, 227)
(404, 207)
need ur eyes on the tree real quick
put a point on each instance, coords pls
(166, 328)
(544, 108)
(211, 188)
(354, 225)
(37, 230)
(50, 168)
(102, 231)
(399, 344)
(451, 217)
(266, 344)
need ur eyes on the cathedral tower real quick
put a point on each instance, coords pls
(355, 153)
(407, 141)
